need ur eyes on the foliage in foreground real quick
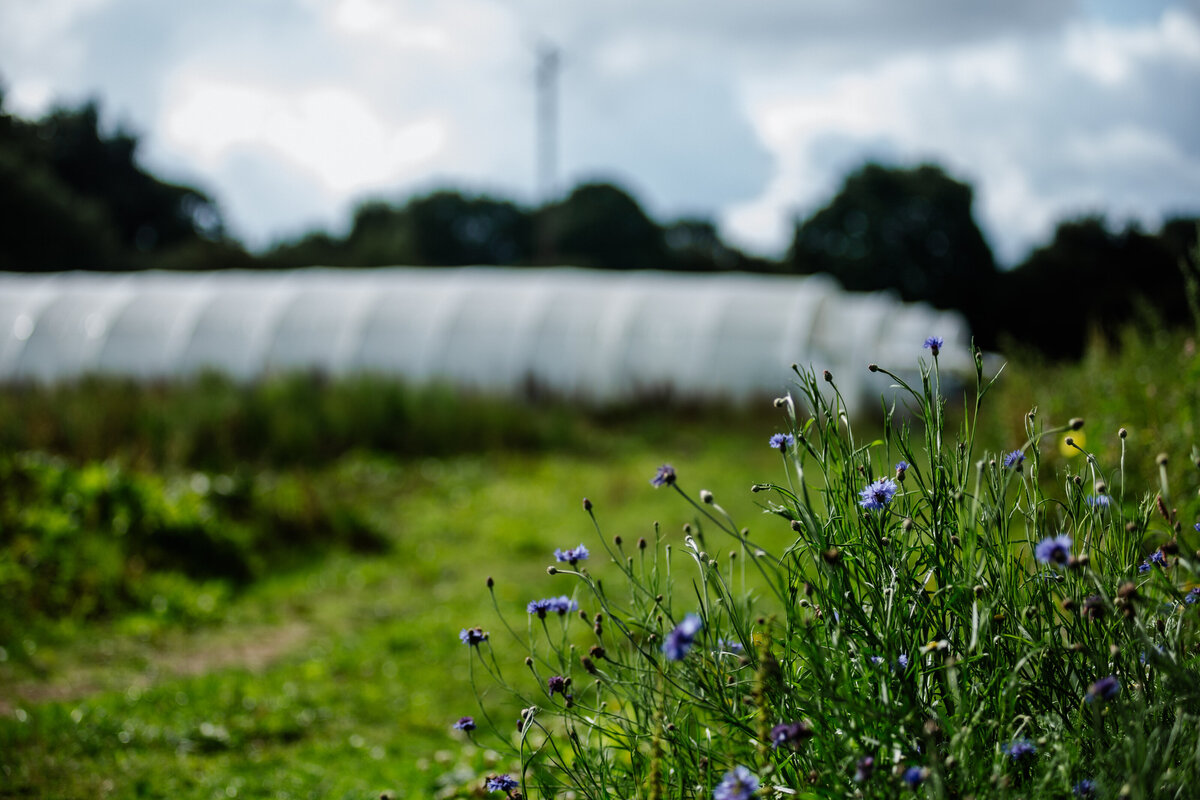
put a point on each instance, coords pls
(938, 625)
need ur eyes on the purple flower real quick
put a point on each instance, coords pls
(1197, 526)
(876, 660)
(738, 784)
(1020, 750)
(913, 776)
(677, 643)
(1156, 559)
(782, 442)
(465, 724)
(1100, 501)
(902, 661)
(1014, 460)
(556, 683)
(560, 605)
(864, 768)
(664, 476)
(729, 645)
(1193, 596)
(1054, 549)
(790, 733)
(1104, 689)
(1085, 788)
(572, 555)
(934, 343)
(878, 494)
(501, 783)
(472, 636)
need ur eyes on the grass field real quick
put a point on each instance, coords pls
(338, 675)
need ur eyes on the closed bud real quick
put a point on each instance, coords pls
(587, 504)
(979, 590)
(706, 496)
(832, 556)
(1076, 423)
(1171, 547)
(873, 367)
(1069, 604)
(641, 543)
(1101, 487)
(528, 661)
(797, 526)
(490, 582)
(954, 540)
(1161, 460)
(828, 376)
(907, 524)
(551, 570)
(617, 540)
(1123, 433)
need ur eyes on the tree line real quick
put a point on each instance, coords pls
(73, 196)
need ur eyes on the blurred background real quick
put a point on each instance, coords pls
(249, 581)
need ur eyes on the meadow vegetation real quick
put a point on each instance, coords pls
(276, 613)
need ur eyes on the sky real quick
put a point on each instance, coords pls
(291, 112)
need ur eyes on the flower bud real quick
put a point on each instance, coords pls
(587, 504)
(1076, 423)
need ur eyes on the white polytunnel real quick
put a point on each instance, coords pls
(593, 334)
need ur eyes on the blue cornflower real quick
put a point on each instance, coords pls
(878, 494)
(934, 343)
(1197, 526)
(738, 784)
(729, 645)
(1104, 689)
(1014, 460)
(472, 636)
(664, 476)
(913, 776)
(1085, 788)
(902, 661)
(1054, 549)
(1101, 501)
(876, 660)
(1192, 597)
(680, 639)
(1020, 750)
(782, 442)
(501, 783)
(1156, 559)
(559, 605)
(465, 724)
(572, 555)
(556, 683)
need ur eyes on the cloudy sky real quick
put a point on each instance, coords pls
(291, 111)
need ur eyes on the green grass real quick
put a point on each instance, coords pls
(339, 675)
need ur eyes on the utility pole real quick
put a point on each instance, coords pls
(547, 121)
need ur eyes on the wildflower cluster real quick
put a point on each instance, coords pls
(916, 618)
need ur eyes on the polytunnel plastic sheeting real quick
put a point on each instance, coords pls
(593, 334)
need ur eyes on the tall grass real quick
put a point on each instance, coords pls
(915, 614)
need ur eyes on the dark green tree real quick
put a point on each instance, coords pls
(910, 230)
(600, 225)
(1091, 279)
